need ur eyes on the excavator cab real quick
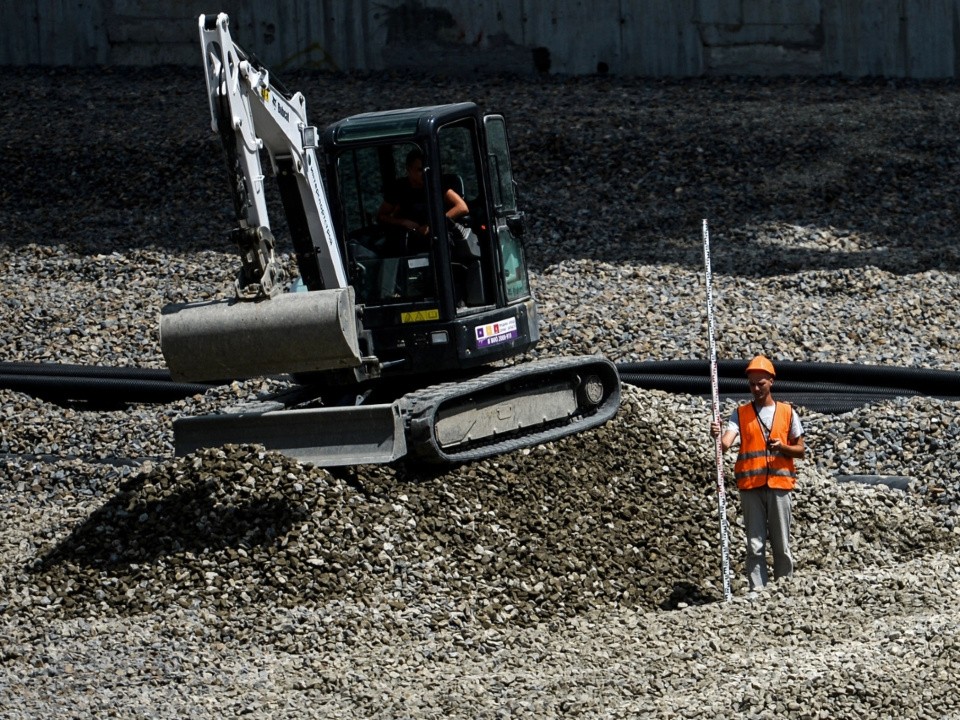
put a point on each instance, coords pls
(456, 294)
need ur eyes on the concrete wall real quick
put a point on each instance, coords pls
(894, 38)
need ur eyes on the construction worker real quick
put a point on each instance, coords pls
(771, 438)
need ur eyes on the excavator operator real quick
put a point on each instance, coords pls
(405, 201)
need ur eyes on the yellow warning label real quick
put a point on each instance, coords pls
(420, 316)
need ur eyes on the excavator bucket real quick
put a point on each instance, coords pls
(289, 333)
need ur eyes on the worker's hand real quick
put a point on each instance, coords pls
(715, 429)
(415, 228)
(774, 445)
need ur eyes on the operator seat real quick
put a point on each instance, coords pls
(464, 251)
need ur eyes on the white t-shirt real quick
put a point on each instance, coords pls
(766, 417)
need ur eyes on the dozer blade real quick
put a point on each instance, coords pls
(326, 437)
(512, 408)
(289, 333)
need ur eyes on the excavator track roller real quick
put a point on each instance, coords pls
(591, 391)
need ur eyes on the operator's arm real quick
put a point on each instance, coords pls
(456, 205)
(387, 215)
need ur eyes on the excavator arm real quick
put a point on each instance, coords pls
(253, 116)
(264, 330)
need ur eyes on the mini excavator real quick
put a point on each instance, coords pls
(395, 337)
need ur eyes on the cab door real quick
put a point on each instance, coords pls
(508, 220)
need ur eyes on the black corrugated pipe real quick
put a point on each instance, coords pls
(822, 387)
(91, 371)
(700, 384)
(97, 387)
(940, 383)
(824, 403)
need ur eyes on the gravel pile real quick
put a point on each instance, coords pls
(577, 578)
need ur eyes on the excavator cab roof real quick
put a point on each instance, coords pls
(395, 124)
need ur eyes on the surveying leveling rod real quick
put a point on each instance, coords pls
(721, 495)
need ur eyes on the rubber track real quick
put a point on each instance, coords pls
(419, 409)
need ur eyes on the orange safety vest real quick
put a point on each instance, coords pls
(756, 466)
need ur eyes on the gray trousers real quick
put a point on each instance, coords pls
(766, 514)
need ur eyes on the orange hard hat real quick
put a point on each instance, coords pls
(763, 364)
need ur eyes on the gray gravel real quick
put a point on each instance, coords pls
(578, 578)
